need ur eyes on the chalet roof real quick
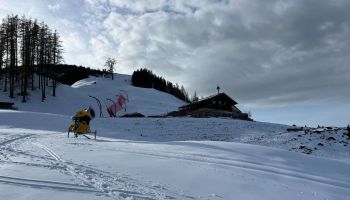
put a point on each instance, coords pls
(211, 98)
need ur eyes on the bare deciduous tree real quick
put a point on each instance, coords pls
(110, 62)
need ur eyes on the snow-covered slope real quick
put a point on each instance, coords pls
(70, 99)
(38, 161)
(330, 144)
(147, 129)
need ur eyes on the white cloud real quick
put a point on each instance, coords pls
(54, 7)
(237, 44)
(139, 6)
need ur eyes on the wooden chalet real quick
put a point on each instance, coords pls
(219, 105)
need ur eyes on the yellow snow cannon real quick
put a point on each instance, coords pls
(81, 124)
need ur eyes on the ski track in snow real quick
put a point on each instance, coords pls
(123, 187)
(94, 180)
(44, 184)
(15, 138)
(7, 146)
(5, 143)
(246, 165)
(32, 150)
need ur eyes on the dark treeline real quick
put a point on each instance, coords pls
(147, 79)
(69, 74)
(31, 57)
(26, 48)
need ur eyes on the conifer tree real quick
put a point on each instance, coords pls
(194, 97)
(27, 48)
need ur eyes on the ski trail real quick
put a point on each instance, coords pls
(26, 164)
(3, 143)
(45, 184)
(50, 152)
(111, 185)
(6, 147)
(259, 167)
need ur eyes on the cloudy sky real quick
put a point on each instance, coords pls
(286, 61)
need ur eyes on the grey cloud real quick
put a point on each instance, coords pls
(263, 53)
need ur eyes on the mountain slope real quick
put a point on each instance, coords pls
(70, 99)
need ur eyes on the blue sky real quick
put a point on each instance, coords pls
(285, 61)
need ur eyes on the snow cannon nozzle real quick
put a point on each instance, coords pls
(92, 112)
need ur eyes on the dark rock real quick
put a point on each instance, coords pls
(330, 138)
(135, 114)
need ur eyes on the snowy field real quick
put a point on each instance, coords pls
(328, 144)
(38, 161)
(161, 158)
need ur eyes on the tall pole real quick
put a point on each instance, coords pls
(98, 103)
(218, 88)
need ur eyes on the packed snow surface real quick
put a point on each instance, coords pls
(38, 161)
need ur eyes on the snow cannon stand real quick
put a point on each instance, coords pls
(81, 124)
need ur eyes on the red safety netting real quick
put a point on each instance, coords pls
(117, 106)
